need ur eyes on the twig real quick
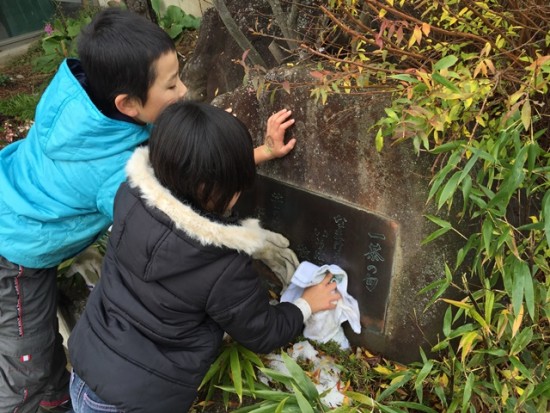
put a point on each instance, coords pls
(281, 20)
(335, 59)
(356, 34)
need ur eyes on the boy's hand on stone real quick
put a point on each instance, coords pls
(322, 296)
(274, 144)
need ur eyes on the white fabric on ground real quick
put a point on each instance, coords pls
(326, 379)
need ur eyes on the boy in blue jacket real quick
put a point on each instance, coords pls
(58, 185)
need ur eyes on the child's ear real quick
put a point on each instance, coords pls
(127, 105)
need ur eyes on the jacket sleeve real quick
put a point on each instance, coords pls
(240, 305)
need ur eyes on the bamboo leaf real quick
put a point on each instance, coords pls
(533, 152)
(277, 376)
(236, 372)
(379, 140)
(458, 304)
(214, 369)
(526, 115)
(447, 322)
(426, 369)
(300, 377)
(511, 182)
(487, 232)
(489, 304)
(518, 287)
(521, 340)
(396, 383)
(361, 398)
(447, 147)
(281, 405)
(250, 355)
(305, 407)
(436, 220)
(546, 215)
(517, 322)
(529, 292)
(445, 62)
(467, 343)
(519, 365)
(404, 78)
(468, 390)
(449, 189)
(442, 81)
(414, 406)
(540, 389)
(437, 233)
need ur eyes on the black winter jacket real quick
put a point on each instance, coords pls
(172, 282)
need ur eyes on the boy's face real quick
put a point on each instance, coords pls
(166, 89)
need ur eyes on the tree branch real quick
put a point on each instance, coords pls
(237, 34)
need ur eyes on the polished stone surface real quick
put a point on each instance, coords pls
(329, 231)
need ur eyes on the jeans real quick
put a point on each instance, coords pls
(85, 400)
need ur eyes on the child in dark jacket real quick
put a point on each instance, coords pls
(178, 271)
(57, 187)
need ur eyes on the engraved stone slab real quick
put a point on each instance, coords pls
(325, 231)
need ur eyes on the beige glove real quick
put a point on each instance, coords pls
(278, 257)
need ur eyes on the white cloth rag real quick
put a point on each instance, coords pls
(324, 326)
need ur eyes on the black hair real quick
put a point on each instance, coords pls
(202, 154)
(118, 51)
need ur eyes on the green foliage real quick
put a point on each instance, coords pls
(174, 20)
(234, 366)
(4, 80)
(20, 106)
(298, 395)
(470, 82)
(59, 40)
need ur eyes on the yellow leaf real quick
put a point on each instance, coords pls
(504, 395)
(500, 42)
(397, 379)
(459, 304)
(467, 343)
(508, 375)
(517, 321)
(382, 13)
(519, 390)
(383, 370)
(417, 34)
(526, 115)
(443, 380)
(411, 41)
(486, 50)
(368, 354)
(515, 96)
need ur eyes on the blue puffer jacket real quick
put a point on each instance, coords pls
(57, 186)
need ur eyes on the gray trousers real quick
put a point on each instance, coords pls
(32, 359)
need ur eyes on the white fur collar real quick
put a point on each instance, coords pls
(248, 237)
